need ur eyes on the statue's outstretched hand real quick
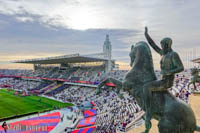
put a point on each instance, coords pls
(131, 64)
(146, 30)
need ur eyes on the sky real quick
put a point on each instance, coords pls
(42, 28)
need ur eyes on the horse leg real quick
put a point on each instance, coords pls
(165, 126)
(195, 88)
(189, 84)
(117, 83)
(148, 88)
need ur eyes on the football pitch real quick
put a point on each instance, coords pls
(11, 105)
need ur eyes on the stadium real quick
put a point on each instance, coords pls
(59, 96)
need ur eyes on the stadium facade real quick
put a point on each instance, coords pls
(104, 57)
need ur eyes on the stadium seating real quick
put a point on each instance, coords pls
(111, 113)
(45, 124)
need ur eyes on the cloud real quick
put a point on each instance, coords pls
(62, 26)
(24, 19)
(30, 38)
(84, 14)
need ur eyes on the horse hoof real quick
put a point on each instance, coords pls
(97, 92)
(146, 131)
(148, 126)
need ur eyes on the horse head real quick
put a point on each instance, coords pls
(194, 71)
(132, 55)
(142, 70)
(141, 63)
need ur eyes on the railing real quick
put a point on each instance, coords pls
(138, 121)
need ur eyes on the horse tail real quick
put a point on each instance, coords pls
(197, 128)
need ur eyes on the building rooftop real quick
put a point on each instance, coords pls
(72, 58)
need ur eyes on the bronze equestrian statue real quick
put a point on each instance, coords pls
(174, 116)
(195, 78)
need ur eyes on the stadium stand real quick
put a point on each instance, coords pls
(42, 124)
(108, 113)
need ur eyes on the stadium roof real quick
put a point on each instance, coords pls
(196, 60)
(73, 58)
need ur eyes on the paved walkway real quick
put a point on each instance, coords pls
(66, 122)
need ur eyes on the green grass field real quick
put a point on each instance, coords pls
(11, 105)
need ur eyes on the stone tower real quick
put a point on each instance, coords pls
(107, 48)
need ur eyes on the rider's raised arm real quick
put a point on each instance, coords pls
(151, 42)
(177, 63)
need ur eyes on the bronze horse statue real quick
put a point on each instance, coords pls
(173, 115)
(195, 78)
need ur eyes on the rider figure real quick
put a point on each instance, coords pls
(170, 64)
